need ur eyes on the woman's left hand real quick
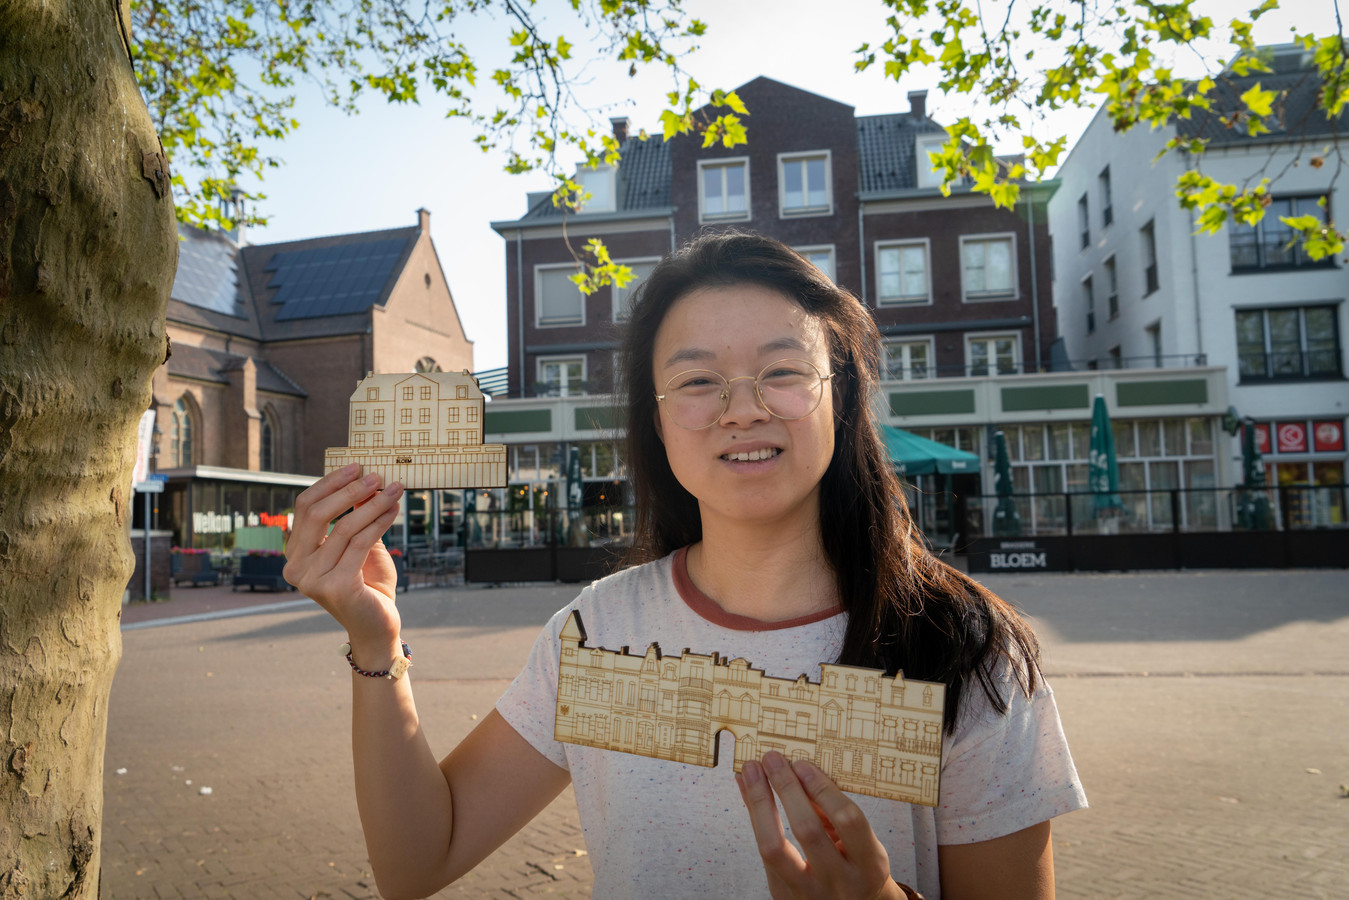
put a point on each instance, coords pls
(842, 855)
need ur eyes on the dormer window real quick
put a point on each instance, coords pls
(924, 146)
(599, 184)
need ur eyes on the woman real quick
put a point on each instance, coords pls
(770, 527)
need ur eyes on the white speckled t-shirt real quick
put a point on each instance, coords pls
(658, 828)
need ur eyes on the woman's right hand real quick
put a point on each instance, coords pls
(348, 571)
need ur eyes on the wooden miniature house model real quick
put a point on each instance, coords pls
(423, 430)
(870, 733)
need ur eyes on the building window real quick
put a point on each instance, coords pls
(405, 417)
(1084, 221)
(426, 392)
(360, 440)
(557, 299)
(360, 417)
(452, 415)
(1288, 342)
(372, 393)
(407, 393)
(267, 444)
(561, 376)
(180, 435)
(379, 417)
(821, 257)
(452, 437)
(804, 184)
(1269, 243)
(1111, 287)
(423, 439)
(423, 416)
(1116, 357)
(901, 273)
(599, 184)
(473, 413)
(1147, 235)
(379, 439)
(1107, 204)
(988, 267)
(907, 359)
(405, 439)
(927, 175)
(461, 392)
(1089, 298)
(993, 354)
(1154, 332)
(641, 270)
(723, 190)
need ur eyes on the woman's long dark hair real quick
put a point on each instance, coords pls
(906, 609)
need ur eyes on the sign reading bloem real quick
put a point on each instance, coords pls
(871, 733)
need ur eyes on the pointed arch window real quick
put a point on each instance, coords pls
(180, 435)
(269, 455)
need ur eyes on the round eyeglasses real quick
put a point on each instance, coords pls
(787, 389)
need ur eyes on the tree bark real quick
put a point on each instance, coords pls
(88, 249)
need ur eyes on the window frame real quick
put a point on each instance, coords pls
(1299, 262)
(1303, 351)
(539, 381)
(1107, 202)
(539, 269)
(1084, 220)
(1014, 292)
(909, 340)
(807, 249)
(1089, 294)
(923, 146)
(926, 244)
(1111, 267)
(804, 212)
(607, 172)
(1152, 281)
(722, 163)
(615, 300)
(973, 336)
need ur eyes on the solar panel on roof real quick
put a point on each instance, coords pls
(333, 281)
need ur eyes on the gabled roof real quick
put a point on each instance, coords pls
(885, 151)
(324, 286)
(1297, 116)
(643, 183)
(201, 364)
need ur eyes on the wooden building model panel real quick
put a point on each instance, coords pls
(872, 734)
(423, 430)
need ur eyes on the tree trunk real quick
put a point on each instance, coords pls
(87, 254)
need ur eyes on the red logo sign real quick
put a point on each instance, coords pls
(1328, 435)
(1292, 437)
(1262, 438)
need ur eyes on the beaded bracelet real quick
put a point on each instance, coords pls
(395, 670)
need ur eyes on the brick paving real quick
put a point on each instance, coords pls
(1206, 712)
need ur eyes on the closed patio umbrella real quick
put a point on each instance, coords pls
(576, 534)
(1006, 517)
(1253, 508)
(1102, 467)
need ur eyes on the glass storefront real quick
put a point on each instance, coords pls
(220, 515)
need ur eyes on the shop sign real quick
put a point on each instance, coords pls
(1018, 555)
(1262, 438)
(1328, 436)
(216, 523)
(1292, 437)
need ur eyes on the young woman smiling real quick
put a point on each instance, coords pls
(770, 526)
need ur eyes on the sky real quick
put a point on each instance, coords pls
(374, 170)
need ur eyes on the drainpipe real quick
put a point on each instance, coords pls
(1034, 282)
(520, 301)
(673, 245)
(1194, 277)
(862, 250)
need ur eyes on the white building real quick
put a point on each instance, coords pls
(1136, 287)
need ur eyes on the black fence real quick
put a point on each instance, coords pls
(545, 545)
(1277, 527)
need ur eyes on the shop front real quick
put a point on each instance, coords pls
(226, 510)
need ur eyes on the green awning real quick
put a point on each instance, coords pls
(914, 455)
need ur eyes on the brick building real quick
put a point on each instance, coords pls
(268, 342)
(961, 292)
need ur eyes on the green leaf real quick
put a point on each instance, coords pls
(1259, 102)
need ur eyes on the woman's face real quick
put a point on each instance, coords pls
(751, 466)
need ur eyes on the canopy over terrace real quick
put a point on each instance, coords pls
(914, 455)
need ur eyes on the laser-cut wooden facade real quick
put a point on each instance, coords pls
(423, 430)
(872, 734)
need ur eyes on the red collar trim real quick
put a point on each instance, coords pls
(708, 608)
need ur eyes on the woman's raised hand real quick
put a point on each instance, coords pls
(842, 856)
(347, 571)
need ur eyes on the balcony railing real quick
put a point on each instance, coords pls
(1005, 367)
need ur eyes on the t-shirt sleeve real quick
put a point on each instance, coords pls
(1005, 772)
(529, 705)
